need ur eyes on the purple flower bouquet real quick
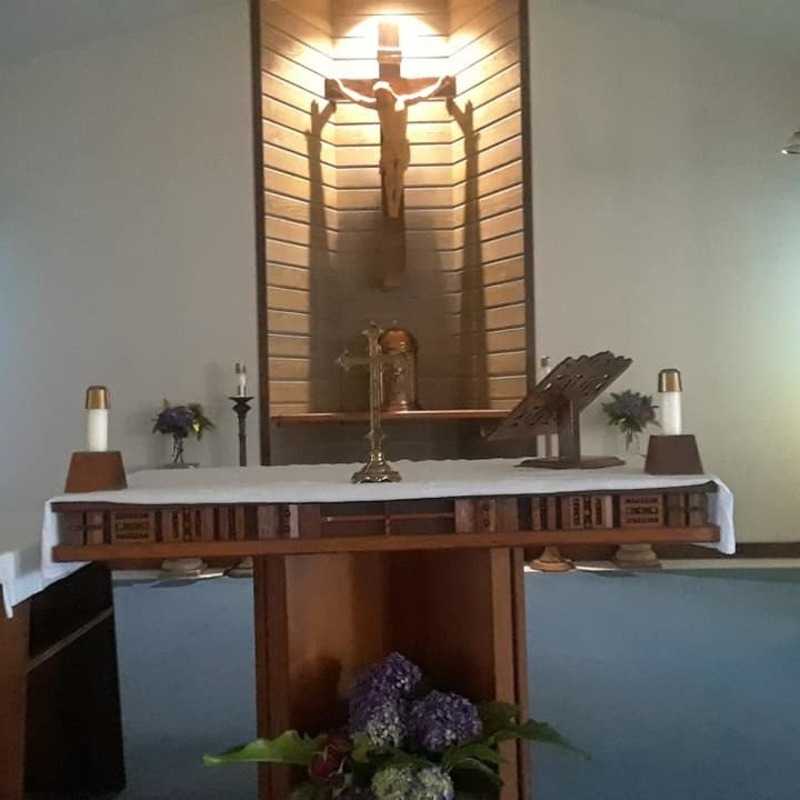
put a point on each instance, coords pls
(402, 742)
(180, 422)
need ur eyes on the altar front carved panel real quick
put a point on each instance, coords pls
(354, 231)
(108, 531)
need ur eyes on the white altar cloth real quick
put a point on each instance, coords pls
(330, 483)
(21, 573)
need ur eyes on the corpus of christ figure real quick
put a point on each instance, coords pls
(391, 96)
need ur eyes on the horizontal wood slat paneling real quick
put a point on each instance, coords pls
(360, 25)
(388, 7)
(308, 19)
(289, 346)
(464, 222)
(286, 45)
(290, 369)
(288, 277)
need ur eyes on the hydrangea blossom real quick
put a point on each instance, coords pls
(411, 783)
(378, 703)
(380, 717)
(442, 719)
(394, 675)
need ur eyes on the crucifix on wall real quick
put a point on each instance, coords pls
(391, 95)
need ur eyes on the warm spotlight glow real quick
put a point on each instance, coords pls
(410, 28)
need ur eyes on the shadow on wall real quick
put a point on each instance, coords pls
(474, 366)
(321, 277)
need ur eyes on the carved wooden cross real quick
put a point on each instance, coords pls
(390, 95)
(389, 69)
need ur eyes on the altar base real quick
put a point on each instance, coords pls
(320, 619)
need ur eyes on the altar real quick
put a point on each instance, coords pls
(345, 573)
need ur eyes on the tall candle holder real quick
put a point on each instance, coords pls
(96, 468)
(673, 452)
(241, 405)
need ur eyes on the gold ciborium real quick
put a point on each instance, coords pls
(399, 369)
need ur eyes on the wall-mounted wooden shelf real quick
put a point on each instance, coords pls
(432, 415)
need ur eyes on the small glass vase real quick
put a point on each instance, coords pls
(177, 461)
(633, 444)
(177, 452)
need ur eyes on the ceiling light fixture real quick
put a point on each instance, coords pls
(793, 145)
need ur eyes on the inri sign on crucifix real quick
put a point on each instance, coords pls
(391, 95)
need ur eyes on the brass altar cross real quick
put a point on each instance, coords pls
(377, 469)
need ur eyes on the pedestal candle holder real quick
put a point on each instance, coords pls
(241, 405)
(673, 455)
(95, 472)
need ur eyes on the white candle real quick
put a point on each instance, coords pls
(670, 388)
(546, 444)
(97, 419)
(241, 375)
(97, 430)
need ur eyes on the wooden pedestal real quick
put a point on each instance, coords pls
(673, 455)
(60, 723)
(321, 618)
(95, 472)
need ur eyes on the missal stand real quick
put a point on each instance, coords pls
(556, 404)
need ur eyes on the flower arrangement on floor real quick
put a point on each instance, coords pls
(404, 741)
(180, 422)
(631, 412)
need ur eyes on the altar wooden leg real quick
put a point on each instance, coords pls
(320, 619)
(13, 667)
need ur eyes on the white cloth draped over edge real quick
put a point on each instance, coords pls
(330, 483)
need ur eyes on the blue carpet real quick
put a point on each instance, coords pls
(681, 686)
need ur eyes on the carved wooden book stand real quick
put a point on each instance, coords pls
(555, 405)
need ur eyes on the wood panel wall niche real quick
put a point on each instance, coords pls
(465, 289)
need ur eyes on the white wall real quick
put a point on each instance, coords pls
(126, 243)
(666, 229)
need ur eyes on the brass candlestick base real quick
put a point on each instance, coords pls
(376, 470)
(551, 560)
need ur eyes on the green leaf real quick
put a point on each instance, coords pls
(452, 757)
(475, 765)
(496, 716)
(288, 748)
(362, 748)
(533, 731)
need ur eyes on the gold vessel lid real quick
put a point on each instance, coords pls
(398, 340)
(669, 380)
(97, 397)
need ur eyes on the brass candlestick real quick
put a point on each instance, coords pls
(377, 469)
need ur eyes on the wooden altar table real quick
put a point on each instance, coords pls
(431, 567)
